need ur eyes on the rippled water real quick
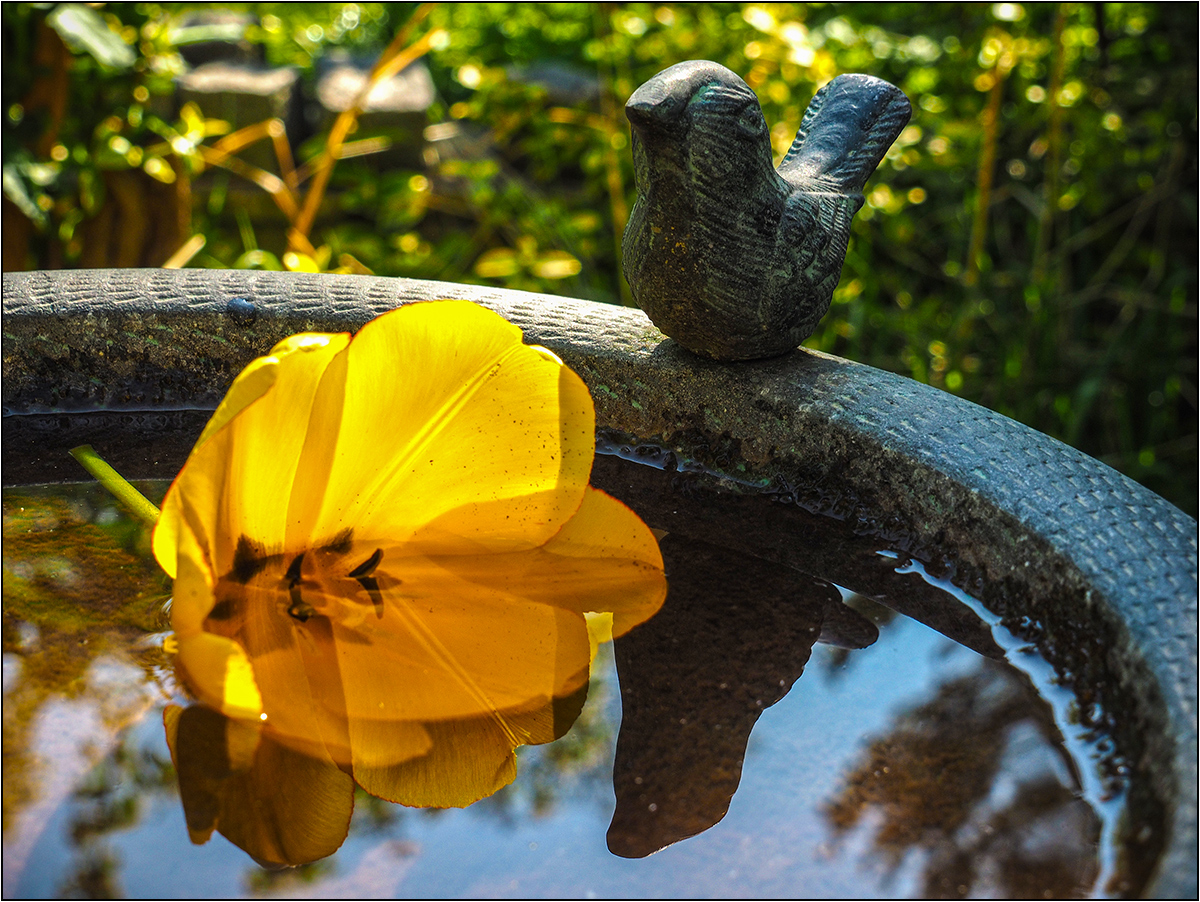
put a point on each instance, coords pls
(754, 739)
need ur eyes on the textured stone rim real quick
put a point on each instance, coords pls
(1103, 569)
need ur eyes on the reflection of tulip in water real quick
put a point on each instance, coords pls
(389, 566)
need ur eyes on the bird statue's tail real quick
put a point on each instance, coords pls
(846, 130)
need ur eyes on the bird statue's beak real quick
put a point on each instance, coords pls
(639, 112)
(653, 105)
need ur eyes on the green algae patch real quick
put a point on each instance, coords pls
(74, 566)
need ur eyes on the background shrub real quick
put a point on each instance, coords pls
(1029, 243)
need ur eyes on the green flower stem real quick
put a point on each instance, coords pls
(115, 483)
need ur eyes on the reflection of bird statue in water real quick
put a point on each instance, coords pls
(731, 258)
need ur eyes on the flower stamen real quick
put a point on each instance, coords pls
(367, 567)
(248, 560)
(299, 608)
(293, 571)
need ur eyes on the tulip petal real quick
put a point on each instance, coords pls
(192, 597)
(330, 706)
(446, 648)
(279, 806)
(296, 668)
(619, 567)
(471, 758)
(218, 670)
(490, 438)
(603, 559)
(605, 528)
(251, 384)
(215, 667)
(237, 482)
(310, 484)
(600, 630)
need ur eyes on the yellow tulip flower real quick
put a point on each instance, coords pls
(387, 555)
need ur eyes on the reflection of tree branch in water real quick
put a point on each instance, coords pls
(939, 782)
(94, 878)
(76, 599)
(111, 800)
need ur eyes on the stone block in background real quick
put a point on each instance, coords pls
(245, 94)
(211, 35)
(564, 84)
(457, 140)
(396, 111)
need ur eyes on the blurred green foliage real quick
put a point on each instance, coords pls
(1028, 243)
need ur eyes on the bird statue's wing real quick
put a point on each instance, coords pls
(846, 130)
(816, 229)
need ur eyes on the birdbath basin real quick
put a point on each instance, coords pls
(1057, 549)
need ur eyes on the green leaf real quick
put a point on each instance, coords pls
(257, 259)
(84, 30)
(17, 192)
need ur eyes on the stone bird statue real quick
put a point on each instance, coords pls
(730, 257)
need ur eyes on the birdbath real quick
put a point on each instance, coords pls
(1099, 572)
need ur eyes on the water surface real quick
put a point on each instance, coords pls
(809, 715)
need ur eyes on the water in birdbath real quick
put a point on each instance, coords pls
(811, 713)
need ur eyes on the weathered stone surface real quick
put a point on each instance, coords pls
(1102, 571)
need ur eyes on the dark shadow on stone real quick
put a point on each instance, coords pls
(138, 445)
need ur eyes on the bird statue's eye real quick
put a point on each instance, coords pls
(751, 121)
(673, 106)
